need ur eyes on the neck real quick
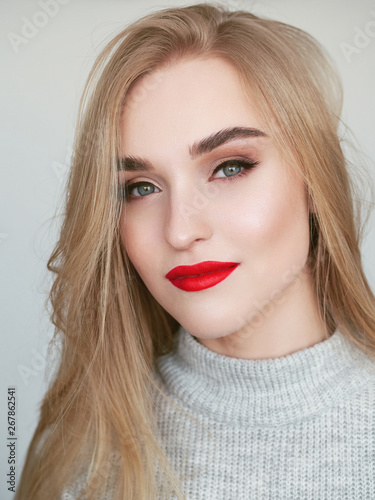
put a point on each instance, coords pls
(288, 323)
(268, 392)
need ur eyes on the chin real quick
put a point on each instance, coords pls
(208, 330)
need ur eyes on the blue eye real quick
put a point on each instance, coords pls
(233, 169)
(144, 188)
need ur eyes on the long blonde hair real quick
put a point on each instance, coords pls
(109, 326)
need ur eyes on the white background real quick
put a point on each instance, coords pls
(42, 80)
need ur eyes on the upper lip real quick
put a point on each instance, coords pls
(207, 266)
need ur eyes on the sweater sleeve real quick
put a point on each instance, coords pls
(110, 473)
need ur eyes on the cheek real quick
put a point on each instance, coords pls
(139, 238)
(270, 225)
(132, 239)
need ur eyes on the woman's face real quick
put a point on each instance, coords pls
(215, 190)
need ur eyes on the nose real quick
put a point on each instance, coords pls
(187, 219)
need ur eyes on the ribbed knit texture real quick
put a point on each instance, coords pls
(301, 426)
(297, 427)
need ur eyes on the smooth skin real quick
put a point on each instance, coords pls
(184, 213)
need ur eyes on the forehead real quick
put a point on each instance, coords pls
(183, 102)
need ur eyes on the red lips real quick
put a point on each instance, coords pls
(200, 276)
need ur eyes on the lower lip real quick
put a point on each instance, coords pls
(207, 280)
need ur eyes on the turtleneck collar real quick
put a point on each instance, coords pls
(267, 392)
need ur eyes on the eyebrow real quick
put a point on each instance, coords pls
(136, 164)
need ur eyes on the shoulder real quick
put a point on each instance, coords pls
(76, 486)
(360, 386)
(73, 490)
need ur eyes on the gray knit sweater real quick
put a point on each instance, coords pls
(298, 427)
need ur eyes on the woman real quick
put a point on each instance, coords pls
(217, 328)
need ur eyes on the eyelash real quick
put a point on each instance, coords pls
(125, 189)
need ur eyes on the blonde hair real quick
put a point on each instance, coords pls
(110, 327)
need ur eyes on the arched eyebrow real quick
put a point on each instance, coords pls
(222, 137)
(206, 145)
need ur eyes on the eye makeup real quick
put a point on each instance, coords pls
(246, 164)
